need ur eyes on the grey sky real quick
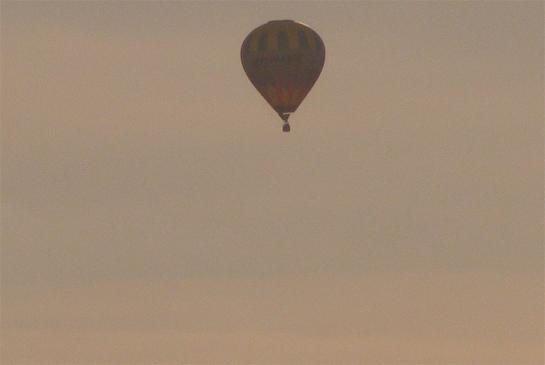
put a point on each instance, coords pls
(152, 210)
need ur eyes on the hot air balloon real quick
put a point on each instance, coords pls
(283, 60)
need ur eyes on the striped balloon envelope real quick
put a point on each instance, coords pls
(283, 60)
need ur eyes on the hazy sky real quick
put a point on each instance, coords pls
(154, 212)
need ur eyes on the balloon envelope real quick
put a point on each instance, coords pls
(283, 60)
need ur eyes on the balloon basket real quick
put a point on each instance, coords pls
(286, 127)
